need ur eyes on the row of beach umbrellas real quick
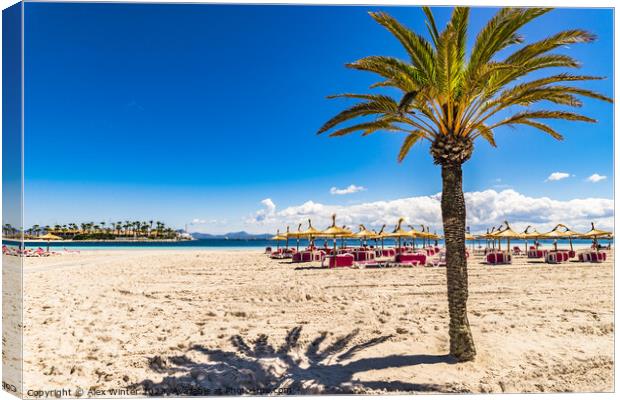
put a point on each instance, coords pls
(335, 232)
(560, 231)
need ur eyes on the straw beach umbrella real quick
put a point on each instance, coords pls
(507, 234)
(490, 237)
(50, 236)
(311, 233)
(399, 233)
(343, 237)
(556, 233)
(432, 236)
(414, 233)
(295, 235)
(363, 234)
(335, 232)
(595, 234)
(381, 235)
(278, 238)
(530, 233)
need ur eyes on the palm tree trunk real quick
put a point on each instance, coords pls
(453, 213)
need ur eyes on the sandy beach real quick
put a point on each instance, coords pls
(201, 320)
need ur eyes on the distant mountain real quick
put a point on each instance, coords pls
(233, 236)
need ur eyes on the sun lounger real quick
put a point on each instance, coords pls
(308, 256)
(537, 253)
(9, 251)
(364, 255)
(340, 260)
(498, 258)
(592, 256)
(584, 257)
(556, 257)
(412, 259)
(598, 256)
(388, 252)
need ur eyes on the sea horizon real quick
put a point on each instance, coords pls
(232, 244)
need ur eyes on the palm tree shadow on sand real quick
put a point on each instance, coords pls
(292, 368)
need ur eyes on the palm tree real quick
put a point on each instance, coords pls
(451, 100)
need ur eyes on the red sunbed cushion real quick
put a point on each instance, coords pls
(341, 260)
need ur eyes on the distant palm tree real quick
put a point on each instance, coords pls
(451, 100)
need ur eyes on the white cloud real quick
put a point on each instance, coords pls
(348, 190)
(484, 209)
(557, 176)
(266, 215)
(596, 178)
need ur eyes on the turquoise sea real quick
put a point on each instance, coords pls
(231, 244)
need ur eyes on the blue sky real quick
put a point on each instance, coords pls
(200, 112)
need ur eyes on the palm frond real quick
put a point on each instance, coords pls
(430, 24)
(385, 106)
(410, 140)
(500, 32)
(543, 46)
(543, 127)
(397, 72)
(528, 115)
(487, 134)
(541, 89)
(419, 49)
(367, 127)
(501, 77)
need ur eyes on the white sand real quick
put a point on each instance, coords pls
(219, 319)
